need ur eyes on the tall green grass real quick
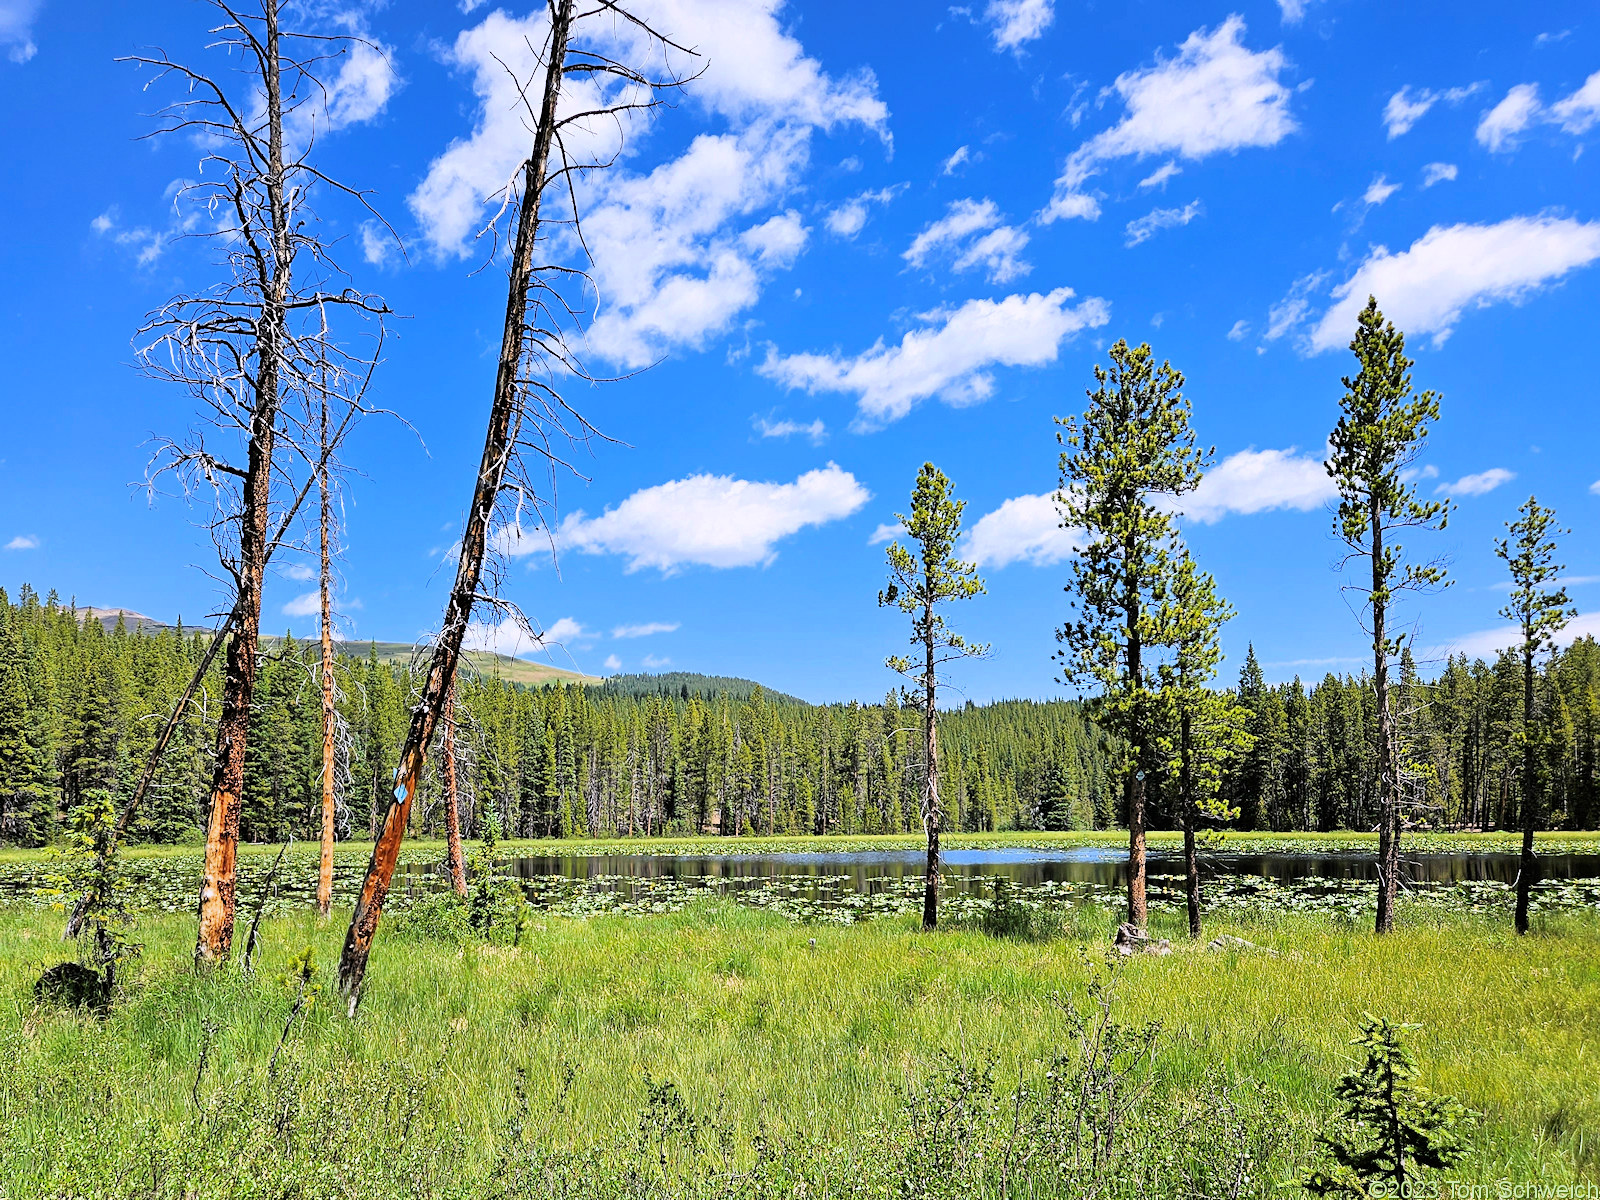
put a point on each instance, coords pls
(814, 1035)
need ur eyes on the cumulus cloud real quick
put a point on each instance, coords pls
(1476, 485)
(1023, 529)
(713, 520)
(1501, 128)
(851, 217)
(23, 541)
(972, 234)
(1439, 172)
(1487, 643)
(816, 432)
(682, 249)
(1379, 190)
(308, 604)
(1498, 129)
(1405, 108)
(1293, 11)
(1253, 481)
(886, 533)
(16, 28)
(648, 629)
(1017, 22)
(1216, 96)
(1427, 287)
(1146, 227)
(653, 663)
(951, 355)
(612, 663)
(508, 636)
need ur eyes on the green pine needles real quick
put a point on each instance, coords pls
(1391, 1129)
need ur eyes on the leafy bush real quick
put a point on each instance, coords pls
(436, 917)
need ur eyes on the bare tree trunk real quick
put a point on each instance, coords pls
(1191, 862)
(1133, 785)
(325, 867)
(931, 816)
(218, 880)
(1388, 785)
(452, 814)
(498, 447)
(1528, 868)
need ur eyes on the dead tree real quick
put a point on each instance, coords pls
(528, 415)
(253, 350)
(329, 706)
(452, 810)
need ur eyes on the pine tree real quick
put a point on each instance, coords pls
(1381, 430)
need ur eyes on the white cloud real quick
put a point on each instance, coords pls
(1240, 330)
(1486, 643)
(1158, 177)
(1379, 190)
(886, 533)
(1253, 481)
(648, 629)
(971, 230)
(1579, 111)
(1500, 125)
(1439, 172)
(507, 636)
(1594, 488)
(1144, 228)
(1293, 11)
(299, 572)
(1546, 39)
(23, 541)
(309, 604)
(679, 250)
(1426, 288)
(962, 156)
(1476, 485)
(1216, 96)
(1023, 529)
(714, 520)
(612, 663)
(1292, 309)
(1521, 108)
(16, 28)
(950, 356)
(851, 217)
(816, 432)
(1018, 21)
(652, 663)
(1405, 108)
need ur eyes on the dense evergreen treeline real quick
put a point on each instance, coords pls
(81, 707)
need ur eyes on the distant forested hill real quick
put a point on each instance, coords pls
(82, 701)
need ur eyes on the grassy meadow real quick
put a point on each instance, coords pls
(720, 1050)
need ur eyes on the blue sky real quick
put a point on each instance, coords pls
(867, 236)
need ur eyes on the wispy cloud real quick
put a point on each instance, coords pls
(647, 629)
(1476, 485)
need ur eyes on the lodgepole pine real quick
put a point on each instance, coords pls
(452, 813)
(1382, 428)
(920, 581)
(325, 865)
(1540, 608)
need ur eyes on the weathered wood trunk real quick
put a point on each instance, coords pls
(1186, 802)
(931, 816)
(452, 810)
(1528, 868)
(1388, 782)
(1133, 785)
(498, 447)
(219, 876)
(325, 866)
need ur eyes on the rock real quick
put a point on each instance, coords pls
(73, 985)
(1130, 939)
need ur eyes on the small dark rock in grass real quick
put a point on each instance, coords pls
(72, 985)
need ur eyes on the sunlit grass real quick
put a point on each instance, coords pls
(819, 1030)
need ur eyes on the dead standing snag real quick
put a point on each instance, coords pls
(527, 412)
